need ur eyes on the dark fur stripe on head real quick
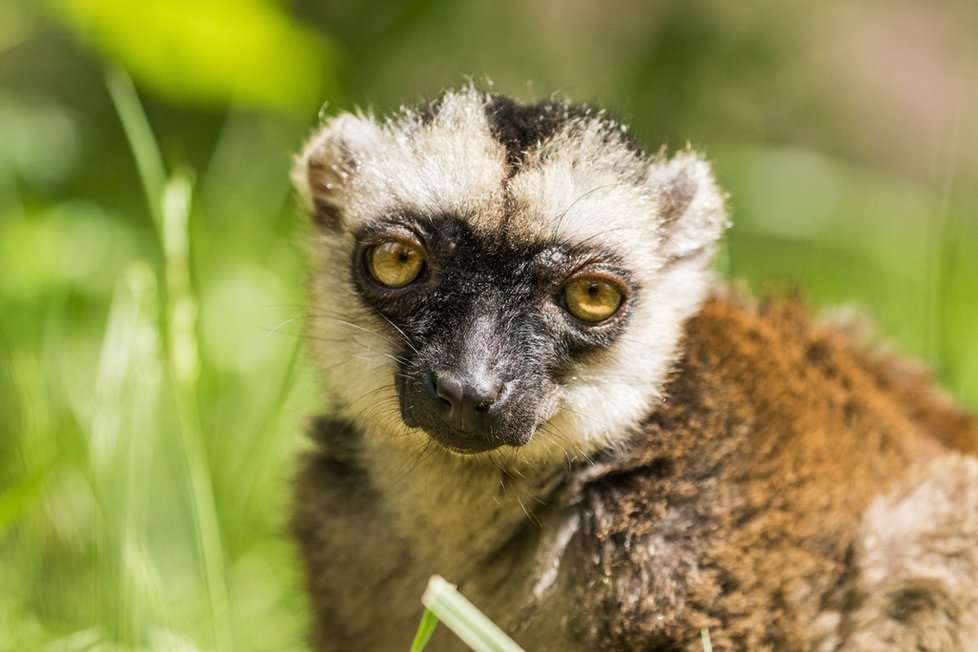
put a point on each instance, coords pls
(521, 126)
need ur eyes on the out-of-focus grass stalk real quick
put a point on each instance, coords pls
(184, 370)
(261, 447)
(120, 448)
(169, 202)
(463, 618)
(149, 161)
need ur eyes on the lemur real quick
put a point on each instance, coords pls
(538, 390)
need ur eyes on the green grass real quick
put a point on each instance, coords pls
(145, 481)
(169, 203)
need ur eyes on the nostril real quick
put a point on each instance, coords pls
(446, 389)
(482, 408)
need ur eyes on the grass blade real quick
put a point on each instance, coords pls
(463, 618)
(149, 161)
(425, 629)
(705, 635)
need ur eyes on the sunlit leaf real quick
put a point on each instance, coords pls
(209, 51)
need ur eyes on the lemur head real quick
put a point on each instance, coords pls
(503, 277)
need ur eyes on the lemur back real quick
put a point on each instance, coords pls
(537, 390)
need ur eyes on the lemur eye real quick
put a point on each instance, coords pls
(395, 264)
(591, 298)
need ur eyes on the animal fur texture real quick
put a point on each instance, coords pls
(692, 459)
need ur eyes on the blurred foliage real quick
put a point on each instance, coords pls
(205, 51)
(153, 385)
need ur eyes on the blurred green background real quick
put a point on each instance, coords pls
(153, 385)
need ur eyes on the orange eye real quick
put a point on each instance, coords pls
(591, 298)
(395, 264)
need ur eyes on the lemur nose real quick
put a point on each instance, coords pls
(466, 402)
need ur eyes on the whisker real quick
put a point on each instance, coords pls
(397, 328)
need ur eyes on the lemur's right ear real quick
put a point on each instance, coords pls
(324, 169)
(692, 213)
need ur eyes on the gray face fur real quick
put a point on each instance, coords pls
(506, 204)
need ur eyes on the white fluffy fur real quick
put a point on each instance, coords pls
(920, 539)
(583, 184)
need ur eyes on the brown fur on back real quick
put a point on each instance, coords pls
(739, 505)
(742, 494)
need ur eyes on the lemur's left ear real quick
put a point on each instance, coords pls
(324, 169)
(691, 210)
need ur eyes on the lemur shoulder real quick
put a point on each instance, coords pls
(537, 390)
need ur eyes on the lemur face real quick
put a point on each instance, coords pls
(500, 277)
(491, 326)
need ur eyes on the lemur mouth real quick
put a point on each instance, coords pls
(467, 442)
(464, 443)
